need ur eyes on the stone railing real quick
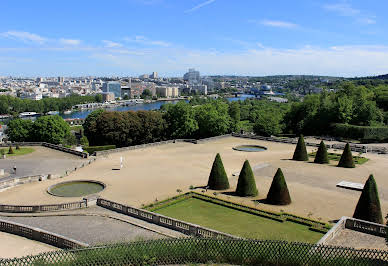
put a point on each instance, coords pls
(340, 225)
(40, 235)
(142, 146)
(161, 220)
(366, 227)
(340, 146)
(48, 145)
(43, 208)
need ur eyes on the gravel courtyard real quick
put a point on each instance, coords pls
(157, 172)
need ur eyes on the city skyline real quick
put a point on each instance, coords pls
(217, 37)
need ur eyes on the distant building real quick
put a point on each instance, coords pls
(60, 80)
(168, 92)
(144, 76)
(31, 96)
(154, 75)
(199, 89)
(108, 96)
(193, 76)
(112, 86)
(125, 91)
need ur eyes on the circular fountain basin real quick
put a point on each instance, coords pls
(250, 148)
(76, 188)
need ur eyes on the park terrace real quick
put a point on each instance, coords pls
(154, 173)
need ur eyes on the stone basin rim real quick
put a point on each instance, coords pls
(74, 181)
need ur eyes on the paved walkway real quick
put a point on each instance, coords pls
(12, 246)
(94, 225)
(358, 240)
(40, 162)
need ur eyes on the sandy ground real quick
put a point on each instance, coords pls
(157, 172)
(12, 246)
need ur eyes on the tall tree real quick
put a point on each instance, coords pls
(246, 186)
(368, 206)
(180, 120)
(90, 127)
(20, 130)
(218, 180)
(52, 129)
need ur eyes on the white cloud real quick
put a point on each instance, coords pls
(199, 6)
(24, 36)
(145, 41)
(278, 24)
(110, 44)
(343, 9)
(69, 41)
(346, 10)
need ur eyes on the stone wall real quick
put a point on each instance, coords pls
(340, 225)
(40, 235)
(366, 227)
(161, 220)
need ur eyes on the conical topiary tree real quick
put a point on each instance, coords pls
(346, 158)
(300, 153)
(278, 193)
(246, 186)
(368, 206)
(10, 150)
(321, 156)
(218, 179)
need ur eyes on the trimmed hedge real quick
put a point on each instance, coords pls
(246, 186)
(346, 158)
(368, 206)
(92, 149)
(218, 180)
(321, 156)
(278, 193)
(364, 133)
(300, 153)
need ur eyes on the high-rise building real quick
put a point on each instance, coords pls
(144, 76)
(112, 86)
(154, 75)
(60, 80)
(193, 76)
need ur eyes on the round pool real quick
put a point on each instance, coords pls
(77, 188)
(249, 148)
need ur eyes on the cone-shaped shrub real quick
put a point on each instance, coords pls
(10, 151)
(300, 153)
(218, 179)
(246, 186)
(278, 193)
(346, 158)
(368, 206)
(321, 156)
(17, 147)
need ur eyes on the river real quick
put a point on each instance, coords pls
(142, 106)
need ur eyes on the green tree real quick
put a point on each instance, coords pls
(235, 115)
(246, 186)
(90, 127)
(321, 156)
(268, 124)
(300, 153)
(84, 141)
(52, 129)
(98, 98)
(346, 158)
(146, 94)
(218, 179)
(368, 206)
(20, 130)
(180, 120)
(213, 119)
(278, 193)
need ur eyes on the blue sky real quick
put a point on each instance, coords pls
(239, 37)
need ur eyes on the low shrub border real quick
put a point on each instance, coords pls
(280, 217)
(92, 149)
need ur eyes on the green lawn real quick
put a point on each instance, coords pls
(337, 157)
(238, 223)
(21, 151)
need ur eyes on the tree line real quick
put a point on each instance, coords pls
(13, 105)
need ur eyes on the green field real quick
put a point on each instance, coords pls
(337, 157)
(21, 151)
(238, 223)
